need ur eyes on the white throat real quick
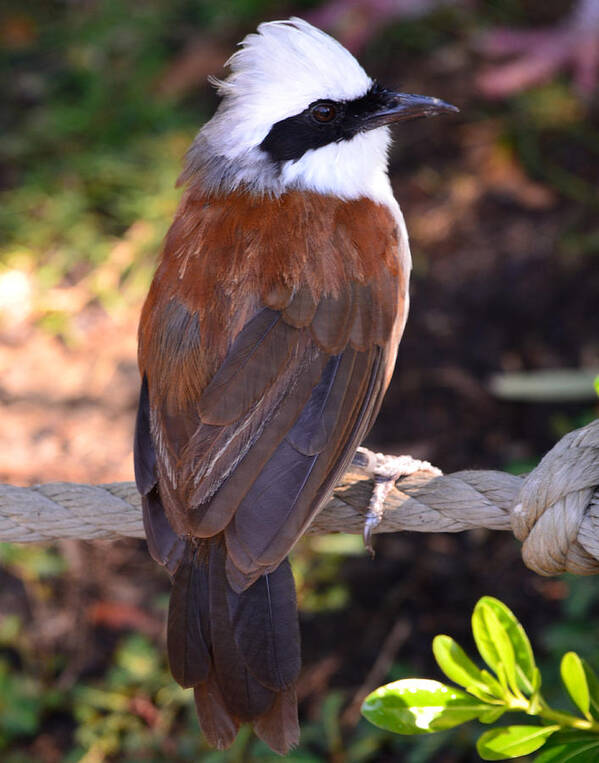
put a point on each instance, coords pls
(349, 169)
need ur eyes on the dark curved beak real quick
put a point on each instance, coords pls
(399, 107)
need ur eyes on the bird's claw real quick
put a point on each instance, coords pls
(382, 485)
(384, 471)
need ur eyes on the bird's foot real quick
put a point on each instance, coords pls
(384, 471)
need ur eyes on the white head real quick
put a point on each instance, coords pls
(299, 112)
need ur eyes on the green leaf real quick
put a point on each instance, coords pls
(570, 746)
(512, 741)
(494, 626)
(493, 714)
(494, 644)
(493, 684)
(525, 661)
(535, 698)
(575, 681)
(456, 664)
(420, 706)
(593, 684)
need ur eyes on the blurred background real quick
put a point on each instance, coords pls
(99, 102)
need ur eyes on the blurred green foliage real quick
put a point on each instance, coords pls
(89, 148)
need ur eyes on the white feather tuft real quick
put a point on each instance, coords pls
(287, 65)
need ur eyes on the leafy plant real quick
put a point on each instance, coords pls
(513, 684)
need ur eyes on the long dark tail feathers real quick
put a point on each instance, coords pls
(219, 726)
(279, 728)
(265, 628)
(239, 651)
(188, 633)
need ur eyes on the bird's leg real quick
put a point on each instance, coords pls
(384, 471)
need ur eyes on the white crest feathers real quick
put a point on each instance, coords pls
(286, 65)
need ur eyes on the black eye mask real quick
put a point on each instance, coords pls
(323, 122)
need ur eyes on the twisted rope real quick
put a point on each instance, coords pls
(554, 511)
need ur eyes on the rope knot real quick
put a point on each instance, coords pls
(556, 513)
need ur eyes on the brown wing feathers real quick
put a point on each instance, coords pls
(256, 359)
(264, 362)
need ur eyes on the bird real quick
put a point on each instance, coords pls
(266, 343)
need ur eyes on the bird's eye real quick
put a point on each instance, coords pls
(324, 112)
